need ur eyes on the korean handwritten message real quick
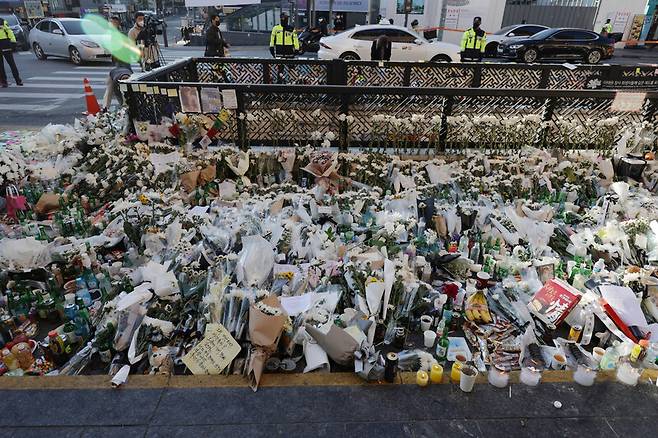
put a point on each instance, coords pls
(215, 351)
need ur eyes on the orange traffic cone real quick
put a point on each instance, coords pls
(90, 98)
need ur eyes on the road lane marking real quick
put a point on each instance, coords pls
(56, 79)
(38, 95)
(30, 108)
(29, 85)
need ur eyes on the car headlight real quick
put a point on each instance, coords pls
(91, 44)
(516, 46)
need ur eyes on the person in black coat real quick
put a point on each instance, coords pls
(381, 49)
(215, 43)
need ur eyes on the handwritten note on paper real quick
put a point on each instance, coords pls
(215, 351)
(230, 99)
(628, 102)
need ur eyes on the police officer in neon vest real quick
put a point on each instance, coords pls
(7, 43)
(283, 41)
(473, 42)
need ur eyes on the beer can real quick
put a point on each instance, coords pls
(390, 370)
(575, 332)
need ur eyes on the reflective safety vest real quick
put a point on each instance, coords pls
(284, 40)
(607, 28)
(472, 41)
(7, 33)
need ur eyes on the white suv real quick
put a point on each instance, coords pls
(406, 45)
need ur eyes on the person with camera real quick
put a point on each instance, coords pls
(215, 43)
(144, 34)
(7, 43)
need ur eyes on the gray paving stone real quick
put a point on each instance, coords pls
(77, 407)
(332, 430)
(546, 428)
(635, 426)
(114, 432)
(40, 432)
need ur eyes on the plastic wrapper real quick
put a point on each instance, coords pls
(255, 261)
(265, 330)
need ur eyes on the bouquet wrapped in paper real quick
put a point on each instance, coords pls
(266, 321)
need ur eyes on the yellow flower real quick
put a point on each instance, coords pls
(143, 199)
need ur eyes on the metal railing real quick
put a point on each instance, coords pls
(276, 115)
(406, 74)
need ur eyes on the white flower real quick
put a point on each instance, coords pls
(330, 136)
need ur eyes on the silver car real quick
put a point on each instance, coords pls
(65, 37)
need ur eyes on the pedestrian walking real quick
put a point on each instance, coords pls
(7, 43)
(473, 42)
(215, 43)
(283, 41)
(381, 49)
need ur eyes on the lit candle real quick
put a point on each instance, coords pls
(422, 379)
(584, 375)
(436, 373)
(455, 372)
(497, 377)
(530, 376)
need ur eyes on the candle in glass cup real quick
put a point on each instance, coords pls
(436, 373)
(455, 372)
(422, 379)
(498, 377)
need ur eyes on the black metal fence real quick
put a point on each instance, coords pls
(399, 117)
(406, 74)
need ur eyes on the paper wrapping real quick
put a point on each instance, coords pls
(47, 203)
(264, 333)
(339, 345)
(207, 175)
(189, 180)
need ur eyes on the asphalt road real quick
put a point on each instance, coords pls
(53, 90)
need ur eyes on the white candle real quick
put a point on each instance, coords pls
(584, 376)
(530, 376)
(498, 378)
(627, 374)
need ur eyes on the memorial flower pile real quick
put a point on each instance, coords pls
(164, 257)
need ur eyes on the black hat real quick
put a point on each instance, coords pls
(283, 15)
(477, 19)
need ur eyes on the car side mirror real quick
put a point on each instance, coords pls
(58, 31)
(418, 41)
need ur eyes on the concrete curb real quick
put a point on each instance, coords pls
(269, 380)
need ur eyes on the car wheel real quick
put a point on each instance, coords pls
(349, 56)
(441, 58)
(491, 50)
(530, 56)
(593, 57)
(38, 52)
(75, 56)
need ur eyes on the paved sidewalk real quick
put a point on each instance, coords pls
(186, 406)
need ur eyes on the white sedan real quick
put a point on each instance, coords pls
(406, 45)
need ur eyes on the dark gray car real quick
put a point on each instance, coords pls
(20, 33)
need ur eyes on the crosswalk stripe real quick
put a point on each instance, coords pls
(58, 79)
(21, 95)
(29, 85)
(69, 72)
(23, 107)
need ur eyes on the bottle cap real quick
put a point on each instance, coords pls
(644, 343)
(70, 298)
(52, 334)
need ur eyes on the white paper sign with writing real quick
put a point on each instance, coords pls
(215, 351)
(628, 102)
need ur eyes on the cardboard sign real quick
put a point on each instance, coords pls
(628, 102)
(214, 353)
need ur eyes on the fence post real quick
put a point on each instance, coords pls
(241, 124)
(336, 72)
(547, 116)
(477, 76)
(406, 79)
(344, 128)
(267, 73)
(448, 103)
(544, 79)
(129, 97)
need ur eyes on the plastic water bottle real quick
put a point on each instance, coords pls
(83, 292)
(599, 266)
